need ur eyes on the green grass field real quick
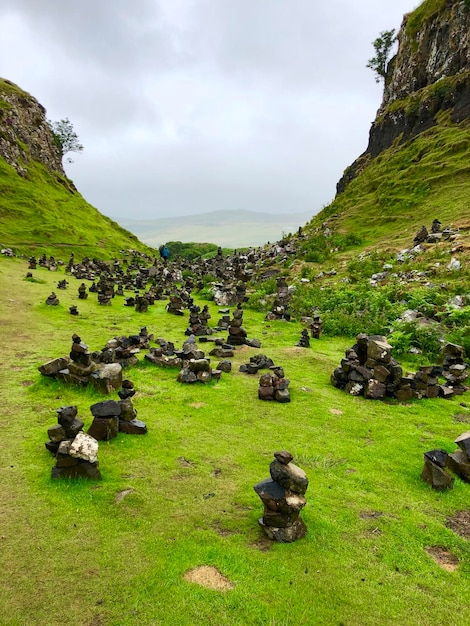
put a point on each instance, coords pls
(71, 554)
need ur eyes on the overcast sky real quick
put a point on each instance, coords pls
(191, 106)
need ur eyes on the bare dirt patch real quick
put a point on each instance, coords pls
(27, 383)
(370, 514)
(223, 532)
(460, 523)
(197, 405)
(462, 417)
(263, 544)
(445, 559)
(209, 577)
(336, 411)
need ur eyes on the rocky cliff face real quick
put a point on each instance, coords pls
(24, 132)
(429, 74)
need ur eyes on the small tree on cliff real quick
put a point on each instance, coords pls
(65, 138)
(383, 47)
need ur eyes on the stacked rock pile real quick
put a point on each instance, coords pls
(80, 369)
(283, 498)
(454, 368)
(124, 350)
(82, 292)
(222, 350)
(304, 341)
(369, 369)
(111, 417)
(164, 355)
(316, 326)
(274, 386)
(198, 370)
(438, 464)
(52, 299)
(198, 321)
(257, 362)
(237, 334)
(175, 305)
(141, 304)
(76, 453)
(279, 309)
(105, 425)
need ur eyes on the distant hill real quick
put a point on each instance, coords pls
(229, 229)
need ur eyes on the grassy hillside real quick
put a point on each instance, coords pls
(40, 214)
(403, 188)
(40, 209)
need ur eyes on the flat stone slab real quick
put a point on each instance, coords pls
(132, 427)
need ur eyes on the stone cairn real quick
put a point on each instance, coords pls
(128, 422)
(76, 452)
(454, 368)
(141, 304)
(279, 310)
(257, 362)
(274, 386)
(237, 334)
(164, 355)
(176, 305)
(111, 417)
(73, 310)
(81, 369)
(198, 321)
(82, 292)
(32, 263)
(195, 366)
(369, 369)
(52, 299)
(198, 370)
(62, 284)
(316, 326)
(304, 341)
(438, 465)
(283, 498)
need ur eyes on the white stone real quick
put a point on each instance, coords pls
(84, 447)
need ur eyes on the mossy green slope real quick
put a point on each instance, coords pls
(404, 187)
(39, 214)
(40, 209)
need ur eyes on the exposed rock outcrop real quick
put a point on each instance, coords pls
(429, 74)
(24, 131)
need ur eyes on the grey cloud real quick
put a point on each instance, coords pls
(195, 105)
